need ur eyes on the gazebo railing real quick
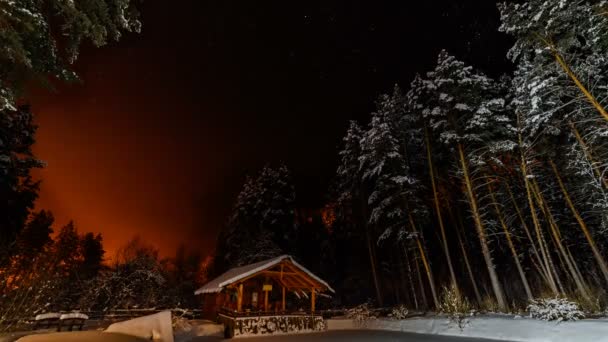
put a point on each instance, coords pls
(259, 313)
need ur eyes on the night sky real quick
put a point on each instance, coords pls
(157, 139)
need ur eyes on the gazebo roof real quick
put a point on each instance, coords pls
(295, 276)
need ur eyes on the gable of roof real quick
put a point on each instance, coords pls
(235, 274)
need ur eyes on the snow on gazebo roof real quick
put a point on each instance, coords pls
(235, 274)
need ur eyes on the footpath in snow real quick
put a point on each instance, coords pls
(490, 327)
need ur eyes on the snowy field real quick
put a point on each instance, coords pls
(499, 327)
(351, 335)
(434, 328)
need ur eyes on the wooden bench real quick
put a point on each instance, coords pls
(69, 321)
(46, 320)
(72, 320)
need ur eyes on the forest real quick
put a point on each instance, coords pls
(490, 189)
(493, 190)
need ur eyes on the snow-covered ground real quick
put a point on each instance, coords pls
(79, 336)
(506, 328)
(190, 330)
(350, 336)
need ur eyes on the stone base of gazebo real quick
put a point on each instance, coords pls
(235, 326)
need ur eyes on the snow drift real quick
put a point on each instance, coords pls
(155, 327)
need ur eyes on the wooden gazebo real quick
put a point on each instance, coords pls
(246, 290)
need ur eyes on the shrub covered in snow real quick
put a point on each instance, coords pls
(399, 312)
(555, 309)
(455, 305)
(452, 302)
(360, 313)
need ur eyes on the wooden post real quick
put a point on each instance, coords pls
(239, 298)
(266, 301)
(312, 301)
(283, 301)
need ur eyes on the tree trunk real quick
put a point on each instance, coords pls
(578, 270)
(539, 235)
(444, 240)
(588, 155)
(402, 272)
(394, 281)
(427, 267)
(465, 254)
(540, 266)
(425, 303)
(598, 257)
(557, 238)
(497, 288)
(370, 251)
(564, 65)
(501, 219)
(409, 274)
(546, 247)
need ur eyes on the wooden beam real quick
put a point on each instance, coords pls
(239, 298)
(293, 283)
(302, 275)
(302, 281)
(297, 282)
(278, 273)
(279, 280)
(255, 274)
(283, 302)
(286, 281)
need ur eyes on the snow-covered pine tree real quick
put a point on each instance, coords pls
(32, 53)
(494, 143)
(418, 213)
(384, 172)
(417, 99)
(17, 189)
(261, 223)
(385, 168)
(351, 194)
(30, 50)
(275, 205)
(560, 85)
(390, 152)
(348, 174)
(459, 109)
(565, 33)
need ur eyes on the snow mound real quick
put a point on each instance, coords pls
(74, 315)
(555, 309)
(155, 327)
(48, 315)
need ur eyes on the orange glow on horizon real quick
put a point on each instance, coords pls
(105, 180)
